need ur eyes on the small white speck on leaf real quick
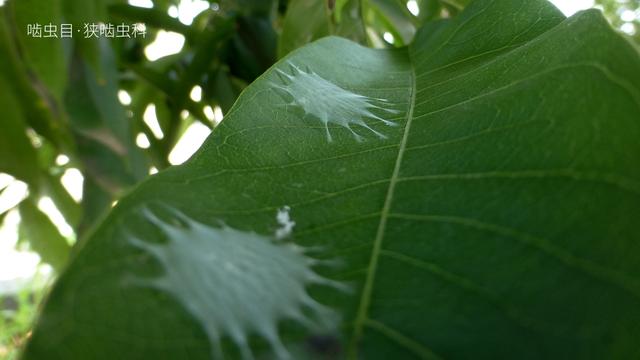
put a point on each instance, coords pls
(285, 222)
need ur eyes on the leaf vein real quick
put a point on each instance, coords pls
(401, 339)
(588, 267)
(620, 181)
(367, 290)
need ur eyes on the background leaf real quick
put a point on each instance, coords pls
(308, 20)
(44, 55)
(43, 236)
(393, 16)
(17, 155)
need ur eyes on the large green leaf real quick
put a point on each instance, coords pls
(472, 196)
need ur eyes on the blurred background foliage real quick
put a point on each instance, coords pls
(84, 120)
(623, 15)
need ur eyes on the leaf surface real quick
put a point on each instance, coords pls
(479, 189)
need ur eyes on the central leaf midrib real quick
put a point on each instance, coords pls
(365, 299)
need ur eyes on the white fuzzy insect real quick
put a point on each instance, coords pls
(237, 284)
(330, 103)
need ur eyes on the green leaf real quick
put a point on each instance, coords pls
(3, 212)
(260, 8)
(454, 6)
(17, 155)
(64, 202)
(40, 110)
(104, 134)
(305, 21)
(79, 13)
(395, 18)
(252, 50)
(479, 189)
(43, 235)
(223, 88)
(308, 20)
(44, 55)
(3, 215)
(429, 10)
(204, 55)
(95, 204)
(348, 21)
